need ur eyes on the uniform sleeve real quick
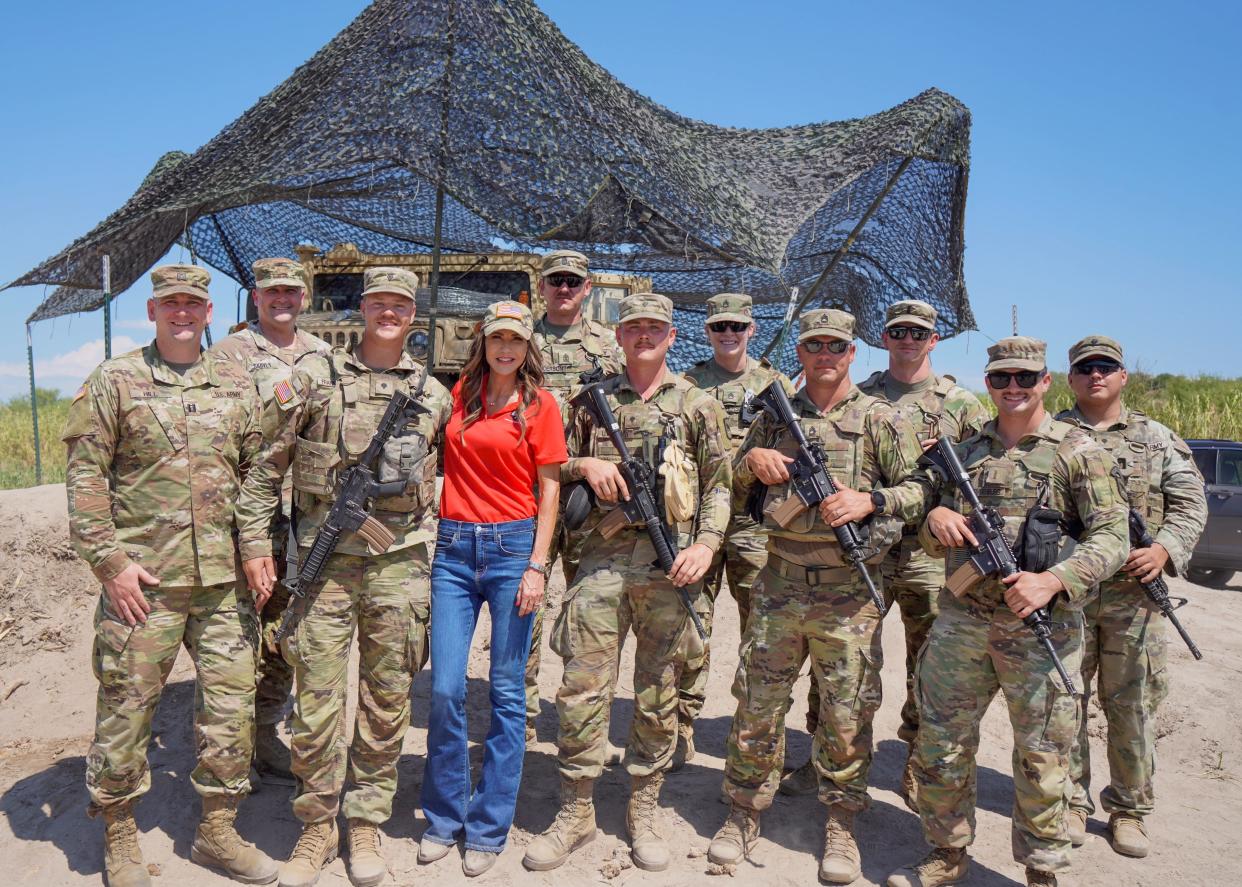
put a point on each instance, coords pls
(967, 412)
(1083, 483)
(92, 430)
(715, 472)
(547, 434)
(761, 436)
(890, 460)
(1185, 504)
(577, 437)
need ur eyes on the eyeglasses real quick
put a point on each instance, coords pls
(1024, 378)
(556, 281)
(814, 346)
(733, 326)
(1103, 367)
(917, 333)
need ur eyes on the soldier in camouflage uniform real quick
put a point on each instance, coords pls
(266, 351)
(618, 586)
(1125, 642)
(1021, 460)
(329, 412)
(157, 440)
(808, 602)
(933, 405)
(570, 345)
(732, 377)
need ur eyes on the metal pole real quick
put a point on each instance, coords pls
(34, 409)
(441, 163)
(435, 279)
(107, 306)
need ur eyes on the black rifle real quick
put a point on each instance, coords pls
(641, 507)
(351, 510)
(992, 556)
(1157, 589)
(812, 484)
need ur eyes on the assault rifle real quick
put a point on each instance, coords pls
(1157, 589)
(351, 510)
(641, 507)
(992, 556)
(812, 484)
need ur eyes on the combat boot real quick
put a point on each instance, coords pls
(271, 757)
(944, 865)
(366, 865)
(685, 747)
(316, 848)
(1129, 835)
(647, 847)
(841, 863)
(800, 782)
(574, 826)
(122, 858)
(1036, 878)
(218, 846)
(1076, 823)
(910, 784)
(736, 837)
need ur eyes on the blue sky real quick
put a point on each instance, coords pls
(1102, 197)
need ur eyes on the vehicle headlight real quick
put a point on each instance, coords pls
(416, 343)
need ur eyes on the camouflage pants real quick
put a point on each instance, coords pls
(275, 675)
(1125, 646)
(568, 552)
(968, 657)
(616, 590)
(834, 623)
(220, 630)
(912, 580)
(740, 558)
(387, 599)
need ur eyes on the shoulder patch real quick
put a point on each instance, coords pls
(283, 392)
(81, 394)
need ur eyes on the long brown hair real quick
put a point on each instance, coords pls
(529, 381)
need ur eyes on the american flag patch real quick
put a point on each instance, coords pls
(505, 309)
(283, 392)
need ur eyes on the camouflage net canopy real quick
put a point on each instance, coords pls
(537, 148)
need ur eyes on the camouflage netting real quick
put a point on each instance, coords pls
(539, 148)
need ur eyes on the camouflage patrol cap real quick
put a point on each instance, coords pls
(729, 306)
(913, 312)
(169, 280)
(278, 271)
(398, 281)
(653, 306)
(830, 322)
(1017, 353)
(564, 261)
(508, 316)
(1096, 346)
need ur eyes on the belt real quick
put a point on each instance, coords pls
(823, 575)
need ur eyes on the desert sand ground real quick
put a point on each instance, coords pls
(47, 709)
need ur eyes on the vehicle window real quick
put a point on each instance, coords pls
(1229, 471)
(468, 293)
(1206, 460)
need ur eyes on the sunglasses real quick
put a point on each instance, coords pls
(1024, 378)
(733, 326)
(556, 281)
(917, 333)
(1103, 367)
(814, 346)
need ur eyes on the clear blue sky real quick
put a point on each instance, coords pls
(1102, 193)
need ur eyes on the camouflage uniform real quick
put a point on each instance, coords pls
(1125, 634)
(329, 413)
(808, 603)
(978, 645)
(154, 459)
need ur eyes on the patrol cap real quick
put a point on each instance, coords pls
(729, 306)
(826, 322)
(1096, 346)
(1017, 353)
(652, 306)
(278, 272)
(169, 280)
(398, 281)
(564, 261)
(508, 316)
(911, 311)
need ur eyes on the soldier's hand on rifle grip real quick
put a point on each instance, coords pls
(844, 506)
(950, 528)
(770, 466)
(691, 565)
(125, 595)
(605, 480)
(260, 578)
(1027, 592)
(1146, 564)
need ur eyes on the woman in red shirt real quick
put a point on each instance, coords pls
(504, 438)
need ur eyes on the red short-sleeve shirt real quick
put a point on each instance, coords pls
(491, 477)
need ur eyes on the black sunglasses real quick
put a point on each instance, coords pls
(917, 333)
(733, 326)
(814, 346)
(1025, 379)
(1103, 367)
(556, 281)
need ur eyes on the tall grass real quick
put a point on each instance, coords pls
(17, 454)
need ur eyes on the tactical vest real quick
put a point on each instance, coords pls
(564, 363)
(923, 413)
(1140, 460)
(735, 394)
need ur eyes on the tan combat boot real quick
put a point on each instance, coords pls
(271, 757)
(1036, 878)
(366, 865)
(315, 849)
(944, 865)
(642, 820)
(1076, 823)
(574, 826)
(910, 784)
(736, 837)
(803, 781)
(122, 858)
(1129, 835)
(218, 846)
(684, 752)
(841, 863)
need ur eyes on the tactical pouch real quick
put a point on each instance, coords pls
(314, 467)
(1039, 542)
(679, 492)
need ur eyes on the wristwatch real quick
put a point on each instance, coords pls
(878, 500)
(539, 568)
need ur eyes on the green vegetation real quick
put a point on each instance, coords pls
(17, 461)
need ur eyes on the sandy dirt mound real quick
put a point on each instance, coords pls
(46, 724)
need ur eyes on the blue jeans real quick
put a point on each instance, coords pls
(476, 563)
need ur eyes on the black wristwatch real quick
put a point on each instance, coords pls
(878, 500)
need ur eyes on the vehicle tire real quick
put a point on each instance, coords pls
(1212, 577)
